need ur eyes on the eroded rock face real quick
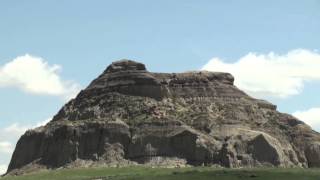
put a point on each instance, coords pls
(266, 149)
(313, 155)
(129, 116)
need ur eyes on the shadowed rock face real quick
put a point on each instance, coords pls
(129, 115)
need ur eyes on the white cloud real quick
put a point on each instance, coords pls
(3, 169)
(42, 123)
(310, 117)
(271, 75)
(15, 130)
(34, 75)
(6, 147)
(9, 137)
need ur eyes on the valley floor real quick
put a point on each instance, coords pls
(194, 173)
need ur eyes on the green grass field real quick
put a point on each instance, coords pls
(143, 173)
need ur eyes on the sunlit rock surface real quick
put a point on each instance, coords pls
(130, 116)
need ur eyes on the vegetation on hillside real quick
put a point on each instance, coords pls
(145, 173)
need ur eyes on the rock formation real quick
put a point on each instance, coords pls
(131, 116)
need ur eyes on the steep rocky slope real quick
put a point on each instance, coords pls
(131, 116)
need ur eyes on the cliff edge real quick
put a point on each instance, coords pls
(129, 116)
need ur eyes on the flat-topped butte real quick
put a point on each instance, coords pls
(130, 116)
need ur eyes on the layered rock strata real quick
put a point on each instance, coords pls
(129, 115)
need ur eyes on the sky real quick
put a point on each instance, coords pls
(50, 50)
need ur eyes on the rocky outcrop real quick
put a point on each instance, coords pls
(266, 149)
(131, 116)
(313, 155)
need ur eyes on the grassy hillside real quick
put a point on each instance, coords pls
(143, 173)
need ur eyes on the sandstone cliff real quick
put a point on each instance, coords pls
(131, 116)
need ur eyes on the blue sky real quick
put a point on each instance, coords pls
(83, 37)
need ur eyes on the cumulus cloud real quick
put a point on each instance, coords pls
(34, 75)
(6, 147)
(42, 123)
(310, 117)
(3, 169)
(15, 130)
(271, 75)
(9, 137)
